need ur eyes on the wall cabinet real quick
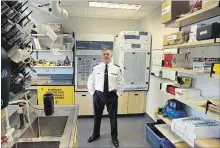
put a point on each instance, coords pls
(136, 102)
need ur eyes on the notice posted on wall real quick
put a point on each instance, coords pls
(57, 93)
(63, 95)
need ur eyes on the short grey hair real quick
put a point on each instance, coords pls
(104, 49)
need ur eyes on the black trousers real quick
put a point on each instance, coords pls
(101, 99)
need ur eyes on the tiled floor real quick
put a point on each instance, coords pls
(131, 132)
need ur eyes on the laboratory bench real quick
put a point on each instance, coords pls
(130, 102)
(60, 132)
(63, 90)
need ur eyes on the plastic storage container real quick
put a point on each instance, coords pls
(166, 144)
(153, 135)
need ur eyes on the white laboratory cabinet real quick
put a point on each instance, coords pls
(132, 55)
(88, 54)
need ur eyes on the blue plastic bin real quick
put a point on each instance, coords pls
(153, 135)
(166, 144)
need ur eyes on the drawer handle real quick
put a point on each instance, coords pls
(136, 94)
(83, 95)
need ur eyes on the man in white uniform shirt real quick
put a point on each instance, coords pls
(105, 83)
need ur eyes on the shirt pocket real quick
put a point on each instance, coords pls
(113, 77)
(98, 76)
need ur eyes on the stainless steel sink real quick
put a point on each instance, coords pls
(46, 126)
(43, 144)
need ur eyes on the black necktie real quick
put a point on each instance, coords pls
(106, 79)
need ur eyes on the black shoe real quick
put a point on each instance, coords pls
(115, 142)
(93, 138)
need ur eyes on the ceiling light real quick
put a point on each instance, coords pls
(115, 5)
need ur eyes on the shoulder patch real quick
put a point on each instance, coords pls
(116, 65)
(95, 65)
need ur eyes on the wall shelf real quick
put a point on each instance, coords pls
(171, 136)
(44, 35)
(165, 119)
(216, 75)
(203, 43)
(50, 51)
(193, 105)
(52, 66)
(186, 71)
(195, 17)
(215, 143)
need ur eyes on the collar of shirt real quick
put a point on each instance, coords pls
(109, 64)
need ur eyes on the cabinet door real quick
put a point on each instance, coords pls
(138, 62)
(136, 102)
(123, 103)
(105, 112)
(63, 95)
(85, 102)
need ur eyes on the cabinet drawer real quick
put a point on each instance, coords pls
(85, 102)
(136, 102)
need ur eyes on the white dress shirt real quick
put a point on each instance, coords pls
(115, 79)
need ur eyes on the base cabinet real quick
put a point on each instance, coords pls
(136, 102)
(133, 102)
(85, 102)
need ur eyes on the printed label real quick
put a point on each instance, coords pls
(166, 10)
(172, 37)
(135, 45)
(143, 33)
(203, 32)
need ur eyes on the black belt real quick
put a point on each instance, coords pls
(113, 91)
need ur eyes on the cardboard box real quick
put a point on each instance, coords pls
(167, 74)
(181, 81)
(176, 38)
(174, 60)
(210, 3)
(178, 60)
(171, 39)
(171, 10)
(185, 93)
(216, 69)
(204, 65)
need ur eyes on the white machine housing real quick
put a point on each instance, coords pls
(132, 54)
(86, 58)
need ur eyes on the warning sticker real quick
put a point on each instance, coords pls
(58, 93)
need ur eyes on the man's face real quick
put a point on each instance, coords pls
(106, 56)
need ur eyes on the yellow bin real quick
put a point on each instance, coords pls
(216, 68)
(63, 95)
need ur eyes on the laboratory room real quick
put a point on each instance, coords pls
(107, 73)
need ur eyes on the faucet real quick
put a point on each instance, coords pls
(9, 129)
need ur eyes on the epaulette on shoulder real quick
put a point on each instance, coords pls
(116, 65)
(95, 65)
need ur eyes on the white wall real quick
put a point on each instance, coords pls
(209, 86)
(88, 25)
(151, 23)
